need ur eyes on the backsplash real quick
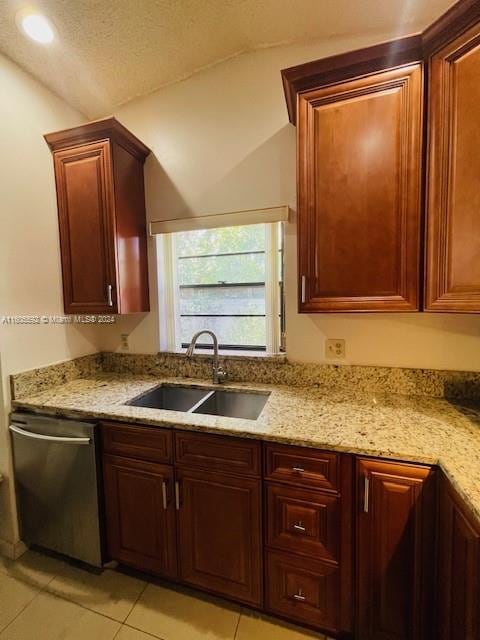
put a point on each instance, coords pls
(35, 380)
(264, 370)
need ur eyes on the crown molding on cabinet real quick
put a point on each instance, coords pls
(460, 17)
(93, 132)
(310, 75)
(386, 55)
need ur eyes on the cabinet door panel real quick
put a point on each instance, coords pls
(135, 441)
(459, 570)
(217, 453)
(220, 534)
(301, 521)
(303, 589)
(395, 550)
(360, 193)
(300, 466)
(140, 525)
(453, 223)
(85, 212)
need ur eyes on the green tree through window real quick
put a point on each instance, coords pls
(221, 279)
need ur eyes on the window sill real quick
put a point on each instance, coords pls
(235, 354)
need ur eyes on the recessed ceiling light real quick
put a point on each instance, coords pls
(36, 27)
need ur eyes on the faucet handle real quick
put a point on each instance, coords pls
(219, 375)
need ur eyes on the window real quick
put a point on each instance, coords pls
(228, 280)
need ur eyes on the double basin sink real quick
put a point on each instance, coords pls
(231, 404)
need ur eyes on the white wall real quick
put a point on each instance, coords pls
(221, 141)
(30, 280)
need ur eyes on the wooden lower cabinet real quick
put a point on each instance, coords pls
(219, 533)
(458, 569)
(204, 528)
(140, 514)
(395, 550)
(309, 537)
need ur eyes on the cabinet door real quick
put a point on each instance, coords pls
(459, 570)
(453, 205)
(140, 514)
(85, 211)
(359, 193)
(396, 540)
(219, 520)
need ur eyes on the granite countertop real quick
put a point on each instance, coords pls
(407, 428)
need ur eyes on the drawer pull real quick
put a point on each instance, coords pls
(164, 494)
(366, 495)
(177, 496)
(298, 526)
(299, 596)
(298, 470)
(109, 295)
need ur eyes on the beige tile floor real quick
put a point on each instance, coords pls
(43, 598)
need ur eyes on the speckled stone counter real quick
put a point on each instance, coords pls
(417, 429)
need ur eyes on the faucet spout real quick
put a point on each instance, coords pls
(218, 373)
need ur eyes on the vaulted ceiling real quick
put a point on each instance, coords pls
(109, 51)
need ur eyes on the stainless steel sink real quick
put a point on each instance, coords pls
(233, 404)
(174, 398)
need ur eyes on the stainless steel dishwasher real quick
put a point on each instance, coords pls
(55, 462)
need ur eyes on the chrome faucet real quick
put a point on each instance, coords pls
(218, 374)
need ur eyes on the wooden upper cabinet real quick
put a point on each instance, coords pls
(359, 141)
(453, 197)
(101, 211)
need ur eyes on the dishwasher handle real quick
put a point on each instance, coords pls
(40, 436)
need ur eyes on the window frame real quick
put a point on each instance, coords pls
(168, 287)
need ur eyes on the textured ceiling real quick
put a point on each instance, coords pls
(110, 51)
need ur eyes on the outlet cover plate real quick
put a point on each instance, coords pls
(335, 348)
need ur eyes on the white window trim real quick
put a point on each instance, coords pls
(168, 301)
(272, 290)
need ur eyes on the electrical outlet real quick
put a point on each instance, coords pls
(124, 342)
(335, 348)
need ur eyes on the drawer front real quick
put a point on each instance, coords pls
(303, 521)
(303, 589)
(144, 443)
(218, 453)
(301, 466)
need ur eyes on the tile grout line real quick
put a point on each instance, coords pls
(142, 591)
(147, 633)
(20, 612)
(238, 624)
(82, 606)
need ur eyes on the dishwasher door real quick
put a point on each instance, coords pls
(55, 462)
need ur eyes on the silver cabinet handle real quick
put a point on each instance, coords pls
(299, 527)
(177, 496)
(366, 494)
(304, 288)
(299, 596)
(109, 295)
(164, 494)
(41, 436)
(298, 469)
